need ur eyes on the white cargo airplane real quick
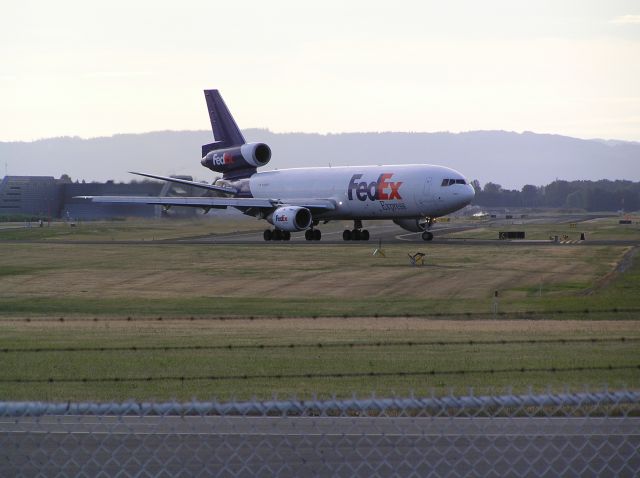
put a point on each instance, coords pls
(412, 195)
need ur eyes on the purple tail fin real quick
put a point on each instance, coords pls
(225, 130)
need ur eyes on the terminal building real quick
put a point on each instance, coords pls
(30, 196)
(46, 197)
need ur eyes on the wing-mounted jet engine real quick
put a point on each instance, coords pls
(291, 218)
(288, 219)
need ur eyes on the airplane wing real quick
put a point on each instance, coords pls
(217, 203)
(210, 187)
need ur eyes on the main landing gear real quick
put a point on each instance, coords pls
(357, 234)
(312, 235)
(276, 235)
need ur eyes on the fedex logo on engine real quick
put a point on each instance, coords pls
(281, 218)
(226, 158)
(380, 190)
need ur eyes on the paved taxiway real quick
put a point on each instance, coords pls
(302, 446)
(385, 231)
(389, 233)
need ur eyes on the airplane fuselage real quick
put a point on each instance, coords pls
(370, 192)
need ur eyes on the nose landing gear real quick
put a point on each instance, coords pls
(357, 234)
(426, 235)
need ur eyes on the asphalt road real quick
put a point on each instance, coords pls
(312, 446)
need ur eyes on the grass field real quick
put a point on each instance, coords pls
(95, 296)
(130, 229)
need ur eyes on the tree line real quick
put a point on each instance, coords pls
(603, 195)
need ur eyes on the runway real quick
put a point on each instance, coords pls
(384, 232)
(317, 446)
(389, 233)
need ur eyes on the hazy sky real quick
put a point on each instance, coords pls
(90, 68)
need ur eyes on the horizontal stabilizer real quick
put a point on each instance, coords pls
(181, 201)
(195, 184)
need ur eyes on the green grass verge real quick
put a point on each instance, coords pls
(314, 360)
(595, 307)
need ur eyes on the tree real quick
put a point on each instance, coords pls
(491, 195)
(492, 188)
(529, 195)
(577, 199)
(556, 193)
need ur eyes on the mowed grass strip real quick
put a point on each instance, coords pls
(267, 280)
(391, 360)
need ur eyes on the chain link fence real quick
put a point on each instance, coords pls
(570, 434)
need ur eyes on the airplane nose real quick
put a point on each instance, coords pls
(469, 194)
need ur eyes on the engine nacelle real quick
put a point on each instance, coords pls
(291, 218)
(413, 225)
(247, 156)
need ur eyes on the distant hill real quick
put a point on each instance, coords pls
(507, 158)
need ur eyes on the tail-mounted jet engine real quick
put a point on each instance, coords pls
(247, 156)
(291, 218)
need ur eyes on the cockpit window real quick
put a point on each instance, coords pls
(449, 182)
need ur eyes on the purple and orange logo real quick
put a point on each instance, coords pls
(225, 159)
(380, 190)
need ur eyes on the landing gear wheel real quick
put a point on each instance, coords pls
(355, 235)
(308, 234)
(286, 236)
(317, 235)
(364, 235)
(277, 235)
(267, 235)
(346, 235)
(427, 236)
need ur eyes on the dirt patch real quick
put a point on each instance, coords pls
(623, 265)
